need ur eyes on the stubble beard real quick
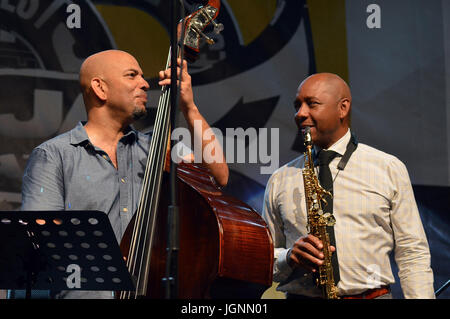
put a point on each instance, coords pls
(139, 113)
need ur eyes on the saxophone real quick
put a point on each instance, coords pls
(318, 220)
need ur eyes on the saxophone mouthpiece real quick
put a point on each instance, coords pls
(306, 131)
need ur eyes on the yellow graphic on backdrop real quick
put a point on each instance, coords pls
(143, 36)
(253, 16)
(138, 33)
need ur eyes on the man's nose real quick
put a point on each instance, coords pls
(145, 86)
(302, 112)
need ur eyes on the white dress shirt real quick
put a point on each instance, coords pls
(375, 213)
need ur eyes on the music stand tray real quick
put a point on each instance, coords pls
(60, 250)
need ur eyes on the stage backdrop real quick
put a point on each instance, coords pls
(395, 56)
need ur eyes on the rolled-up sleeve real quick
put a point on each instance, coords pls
(42, 183)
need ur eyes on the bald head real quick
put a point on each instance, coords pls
(329, 83)
(99, 65)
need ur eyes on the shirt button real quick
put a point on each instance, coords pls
(123, 180)
(104, 156)
(125, 209)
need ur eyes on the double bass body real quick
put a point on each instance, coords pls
(226, 250)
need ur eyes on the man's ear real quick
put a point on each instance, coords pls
(344, 108)
(99, 88)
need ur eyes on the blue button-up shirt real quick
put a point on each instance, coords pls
(69, 173)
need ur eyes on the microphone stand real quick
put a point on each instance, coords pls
(173, 227)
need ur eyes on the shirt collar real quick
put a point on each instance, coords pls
(340, 146)
(78, 135)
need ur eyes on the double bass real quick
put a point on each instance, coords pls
(225, 248)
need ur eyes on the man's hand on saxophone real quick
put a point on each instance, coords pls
(307, 253)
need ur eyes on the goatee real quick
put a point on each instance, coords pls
(139, 113)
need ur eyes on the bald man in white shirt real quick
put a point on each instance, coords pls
(373, 204)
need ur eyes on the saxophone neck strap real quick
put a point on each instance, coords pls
(351, 147)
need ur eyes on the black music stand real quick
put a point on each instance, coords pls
(41, 250)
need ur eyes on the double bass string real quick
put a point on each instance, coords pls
(146, 232)
(155, 160)
(156, 186)
(142, 239)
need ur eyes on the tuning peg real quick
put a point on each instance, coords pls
(218, 27)
(208, 39)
